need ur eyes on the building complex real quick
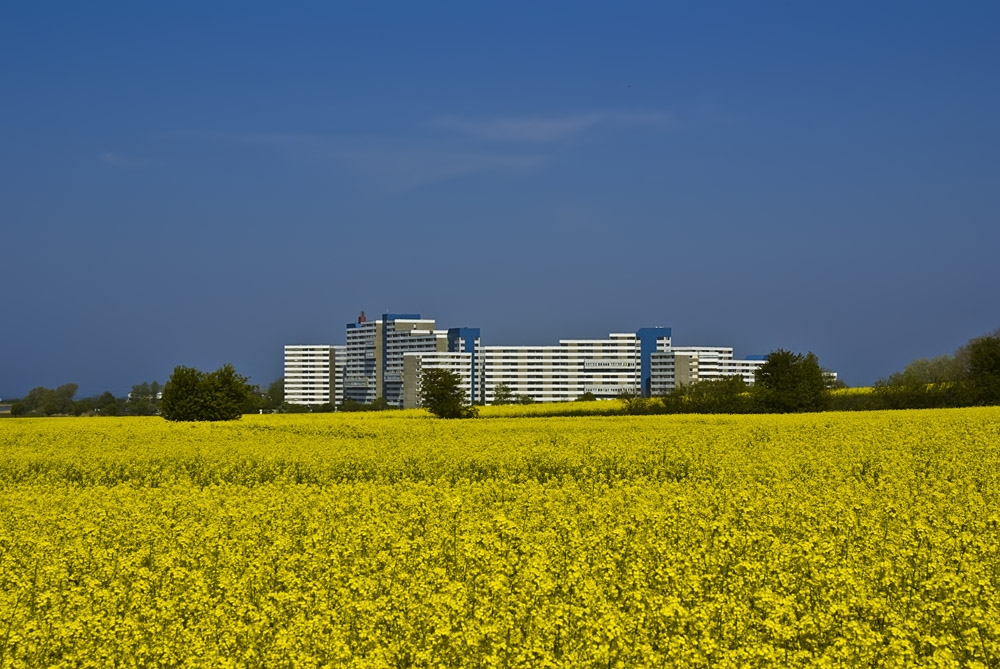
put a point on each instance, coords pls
(386, 358)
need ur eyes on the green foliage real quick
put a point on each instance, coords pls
(587, 397)
(636, 405)
(144, 399)
(790, 383)
(109, 405)
(378, 404)
(502, 394)
(969, 377)
(982, 369)
(942, 369)
(726, 395)
(192, 395)
(275, 395)
(256, 400)
(43, 401)
(442, 394)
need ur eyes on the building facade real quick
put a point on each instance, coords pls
(373, 365)
(310, 377)
(415, 364)
(687, 364)
(386, 357)
(463, 357)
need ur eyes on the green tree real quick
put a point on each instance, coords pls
(275, 395)
(256, 400)
(192, 395)
(942, 369)
(726, 395)
(587, 397)
(109, 405)
(442, 394)
(634, 404)
(790, 382)
(378, 404)
(84, 406)
(982, 369)
(144, 400)
(63, 398)
(42, 401)
(502, 394)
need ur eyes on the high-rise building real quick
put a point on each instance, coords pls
(386, 357)
(310, 374)
(686, 364)
(604, 368)
(463, 358)
(374, 354)
(340, 360)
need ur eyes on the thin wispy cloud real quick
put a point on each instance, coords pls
(118, 160)
(390, 164)
(401, 168)
(539, 129)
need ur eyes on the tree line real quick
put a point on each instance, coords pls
(968, 377)
(787, 382)
(790, 382)
(147, 398)
(42, 401)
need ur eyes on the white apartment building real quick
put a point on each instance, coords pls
(309, 374)
(606, 368)
(415, 364)
(385, 358)
(687, 364)
(463, 356)
(374, 354)
(339, 363)
(359, 361)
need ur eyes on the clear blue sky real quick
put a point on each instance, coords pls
(201, 183)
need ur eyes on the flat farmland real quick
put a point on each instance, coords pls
(399, 540)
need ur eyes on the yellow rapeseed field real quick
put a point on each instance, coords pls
(397, 540)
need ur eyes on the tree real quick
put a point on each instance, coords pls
(502, 394)
(62, 399)
(43, 401)
(192, 395)
(634, 404)
(442, 394)
(982, 369)
(942, 369)
(144, 400)
(790, 382)
(725, 395)
(275, 395)
(108, 405)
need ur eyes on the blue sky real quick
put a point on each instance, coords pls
(202, 183)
